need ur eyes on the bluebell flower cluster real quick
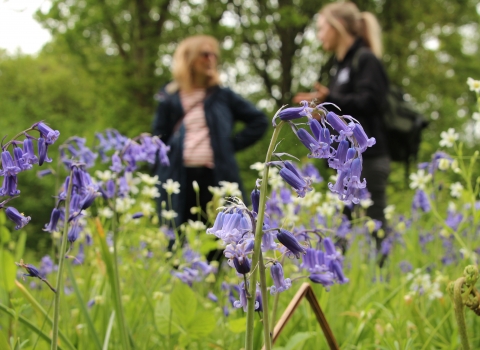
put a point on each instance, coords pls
(346, 159)
(21, 158)
(195, 269)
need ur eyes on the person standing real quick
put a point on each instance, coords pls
(196, 118)
(358, 85)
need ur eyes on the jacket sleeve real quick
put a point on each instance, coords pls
(161, 123)
(369, 89)
(255, 121)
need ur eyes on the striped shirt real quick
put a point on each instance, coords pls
(197, 150)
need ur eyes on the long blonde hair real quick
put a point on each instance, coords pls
(346, 18)
(187, 51)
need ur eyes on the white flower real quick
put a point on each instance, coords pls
(104, 175)
(123, 204)
(195, 186)
(197, 225)
(326, 209)
(312, 198)
(132, 183)
(452, 207)
(443, 164)
(169, 214)
(257, 166)
(456, 189)
(147, 208)
(274, 179)
(171, 186)
(105, 212)
(389, 211)
(366, 203)
(419, 179)
(151, 192)
(473, 85)
(149, 180)
(230, 189)
(448, 138)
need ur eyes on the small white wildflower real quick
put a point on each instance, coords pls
(230, 189)
(132, 183)
(197, 225)
(149, 180)
(258, 166)
(123, 204)
(370, 224)
(169, 214)
(456, 189)
(452, 207)
(147, 208)
(104, 175)
(312, 198)
(326, 209)
(105, 212)
(443, 164)
(171, 186)
(366, 203)
(195, 186)
(389, 211)
(419, 179)
(151, 192)
(448, 138)
(473, 85)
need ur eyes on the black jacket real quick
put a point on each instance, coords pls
(222, 109)
(361, 92)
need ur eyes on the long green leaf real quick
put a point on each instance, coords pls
(40, 309)
(109, 331)
(83, 309)
(29, 324)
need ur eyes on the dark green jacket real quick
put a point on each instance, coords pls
(222, 109)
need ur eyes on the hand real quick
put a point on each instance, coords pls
(317, 96)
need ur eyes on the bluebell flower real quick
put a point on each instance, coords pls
(74, 231)
(242, 303)
(19, 219)
(44, 172)
(9, 186)
(231, 227)
(47, 266)
(54, 217)
(212, 297)
(18, 159)
(317, 149)
(299, 184)
(343, 157)
(311, 262)
(80, 257)
(188, 275)
(362, 139)
(162, 152)
(280, 283)
(268, 242)
(116, 163)
(258, 299)
(340, 126)
(309, 170)
(453, 220)
(326, 279)
(29, 156)
(137, 215)
(32, 271)
(255, 198)
(47, 133)
(8, 165)
(405, 266)
(237, 255)
(292, 113)
(334, 260)
(290, 242)
(42, 151)
(421, 201)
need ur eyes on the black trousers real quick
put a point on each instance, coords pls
(204, 177)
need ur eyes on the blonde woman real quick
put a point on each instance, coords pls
(196, 117)
(357, 85)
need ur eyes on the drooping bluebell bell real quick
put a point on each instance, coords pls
(9, 186)
(326, 279)
(8, 165)
(42, 151)
(116, 163)
(29, 156)
(317, 149)
(339, 126)
(362, 139)
(47, 133)
(309, 170)
(334, 260)
(74, 231)
(54, 217)
(421, 201)
(340, 160)
(80, 257)
(300, 185)
(405, 266)
(237, 255)
(231, 227)
(32, 271)
(212, 297)
(188, 275)
(311, 262)
(292, 113)
(258, 299)
(19, 219)
(280, 283)
(44, 172)
(18, 159)
(242, 303)
(255, 198)
(78, 152)
(290, 242)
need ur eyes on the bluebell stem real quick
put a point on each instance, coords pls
(290, 242)
(19, 219)
(280, 283)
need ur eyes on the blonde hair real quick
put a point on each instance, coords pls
(187, 51)
(346, 18)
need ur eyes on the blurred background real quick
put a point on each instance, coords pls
(85, 65)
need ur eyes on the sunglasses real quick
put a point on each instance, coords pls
(207, 55)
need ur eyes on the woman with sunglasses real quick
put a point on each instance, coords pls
(196, 117)
(357, 83)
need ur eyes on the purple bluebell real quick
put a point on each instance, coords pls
(89, 197)
(138, 215)
(116, 166)
(90, 303)
(74, 231)
(334, 260)
(44, 172)
(293, 113)
(188, 275)
(280, 283)
(9, 186)
(54, 217)
(339, 126)
(231, 227)
(342, 157)
(362, 139)
(162, 152)
(80, 257)
(47, 133)
(290, 242)
(8, 165)
(18, 159)
(29, 156)
(317, 149)
(268, 242)
(42, 152)
(47, 266)
(453, 220)
(258, 299)
(311, 262)
(326, 279)
(255, 198)
(212, 297)
(405, 266)
(299, 184)
(309, 170)
(237, 255)
(19, 219)
(286, 195)
(421, 201)
(242, 303)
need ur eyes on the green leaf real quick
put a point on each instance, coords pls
(3, 218)
(163, 317)
(8, 270)
(183, 303)
(298, 339)
(238, 325)
(4, 235)
(3, 341)
(20, 246)
(203, 324)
